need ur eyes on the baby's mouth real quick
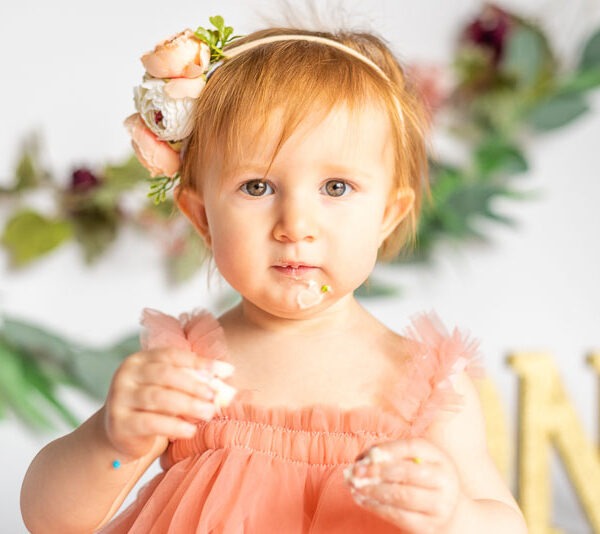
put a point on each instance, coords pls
(311, 292)
(295, 270)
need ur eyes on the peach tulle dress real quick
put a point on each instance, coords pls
(253, 469)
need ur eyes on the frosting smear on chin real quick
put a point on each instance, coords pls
(312, 294)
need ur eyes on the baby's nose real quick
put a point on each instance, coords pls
(296, 221)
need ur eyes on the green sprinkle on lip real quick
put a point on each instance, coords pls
(325, 288)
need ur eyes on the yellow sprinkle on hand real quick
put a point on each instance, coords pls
(417, 460)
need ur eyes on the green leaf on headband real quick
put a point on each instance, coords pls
(217, 21)
(216, 39)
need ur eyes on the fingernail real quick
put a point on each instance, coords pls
(206, 411)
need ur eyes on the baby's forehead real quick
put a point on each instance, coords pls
(341, 141)
(343, 127)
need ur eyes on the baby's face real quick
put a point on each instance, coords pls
(317, 216)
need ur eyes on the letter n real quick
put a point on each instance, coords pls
(547, 418)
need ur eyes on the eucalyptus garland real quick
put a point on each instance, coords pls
(508, 87)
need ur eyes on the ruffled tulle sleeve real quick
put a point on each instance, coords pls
(198, 332)
(437, 359)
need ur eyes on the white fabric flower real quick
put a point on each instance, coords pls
(169, 118)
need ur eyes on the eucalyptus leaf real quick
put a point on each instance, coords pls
(226, 300)
(36, 341)
(580, 82)
(45, 386)
(126, 175)
(524, 55)
(187, 261)
(372, 288)
(95, 230)
(94, 368)
(29, 235)
(17, 392)
(557, 111)
(590, 59)
(496, 156)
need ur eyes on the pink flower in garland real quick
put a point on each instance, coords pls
(433, 83)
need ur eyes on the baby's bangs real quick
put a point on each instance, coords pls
(277, 85)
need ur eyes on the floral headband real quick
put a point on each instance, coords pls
(176, 72)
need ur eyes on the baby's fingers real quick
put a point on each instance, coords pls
(146, 424)
(415, 473)
(178, 378)
(165, 401)
(401, 496)
(185, 359)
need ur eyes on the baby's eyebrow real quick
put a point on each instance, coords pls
(248, 167)
(341, 170)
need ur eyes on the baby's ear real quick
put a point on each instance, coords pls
(192, 206)
(399, 206)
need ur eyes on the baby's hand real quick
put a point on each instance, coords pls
(410, 483)
(162, 394)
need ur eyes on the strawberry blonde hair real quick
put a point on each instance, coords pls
(298, 78)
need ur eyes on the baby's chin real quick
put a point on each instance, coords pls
(304, 299)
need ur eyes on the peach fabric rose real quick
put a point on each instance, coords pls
(185, 87)
(180, 56)
(155, 155)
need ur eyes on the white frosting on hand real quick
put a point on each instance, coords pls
(375, 455)
(223, 393)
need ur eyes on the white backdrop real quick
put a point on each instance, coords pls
(68, 71)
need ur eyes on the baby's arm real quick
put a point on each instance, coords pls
(443, 482)
(485, 501)
(72, 486)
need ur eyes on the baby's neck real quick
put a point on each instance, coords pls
(327, 358)
(344, 315)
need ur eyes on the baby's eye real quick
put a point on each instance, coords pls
(256, 188)
(337, 188)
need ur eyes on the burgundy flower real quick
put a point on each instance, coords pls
(83, 180)
(490, 30)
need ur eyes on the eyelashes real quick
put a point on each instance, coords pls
(260, 188)
(257, 188)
